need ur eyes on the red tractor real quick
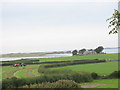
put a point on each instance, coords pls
(16, 65)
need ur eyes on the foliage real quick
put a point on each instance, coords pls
(25, 61)
(57, 84)
(54, 75)
(82, 51)
(13, 82)
(94, 75)
(74, 52)
(99, 49)
(115, 74)
(114, 22)
(74, 63)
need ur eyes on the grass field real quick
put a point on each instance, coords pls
(110, 83)
(100, 68)
(113, 56)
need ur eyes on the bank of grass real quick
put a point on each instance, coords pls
(110, 83)
(101, 68)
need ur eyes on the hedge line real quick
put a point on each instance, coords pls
(74, 63)
(53, 62)
(57, 84)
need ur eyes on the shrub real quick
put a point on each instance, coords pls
(13, 82)
(115, 74)
(94, 75)
(54, 75)
(75, 62)
(57, 84)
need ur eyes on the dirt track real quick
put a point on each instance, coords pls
(92, 85)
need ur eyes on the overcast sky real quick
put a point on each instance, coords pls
(50, 26)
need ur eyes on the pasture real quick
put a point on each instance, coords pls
(113, 56)
(104, 68)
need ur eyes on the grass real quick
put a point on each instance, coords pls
(113, 56)
(20, 72)
(8, 71)
(100, 68)
(110, 83)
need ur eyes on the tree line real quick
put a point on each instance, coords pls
(82, 51)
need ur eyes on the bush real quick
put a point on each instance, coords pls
(57, 84)
(54, 75)
(13, 82)
(94, 75)
(75, 62)
(115, 74)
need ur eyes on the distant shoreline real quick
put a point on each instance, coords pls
(38, 54)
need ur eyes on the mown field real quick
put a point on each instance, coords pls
(104, 68)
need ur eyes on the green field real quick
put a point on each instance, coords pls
(113, 56)
(100, 68)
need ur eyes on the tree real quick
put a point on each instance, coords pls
(82, 51)
(90, 50)
(99, 49)
(114, 22)
(74, 52)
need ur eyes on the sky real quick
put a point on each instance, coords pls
(50, 26)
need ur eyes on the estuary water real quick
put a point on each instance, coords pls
(46, 56)
(106, 50)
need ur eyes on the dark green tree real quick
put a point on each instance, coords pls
(94, 75)
(74, 52)
(82, 51)
(99, 49)
(90, 50)
(114, 22)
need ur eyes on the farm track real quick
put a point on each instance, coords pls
(30, 73)
(92, 85)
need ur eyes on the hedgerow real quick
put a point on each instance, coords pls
(57, 84)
